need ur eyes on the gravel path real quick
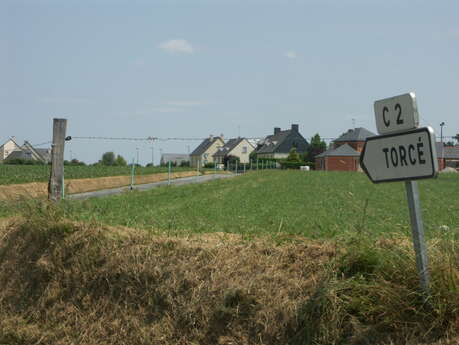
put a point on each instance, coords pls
(141, 187)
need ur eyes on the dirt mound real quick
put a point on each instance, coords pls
(67, 283)
(40, 189)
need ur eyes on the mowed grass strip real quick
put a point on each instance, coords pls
(16, 174)
(313, 204)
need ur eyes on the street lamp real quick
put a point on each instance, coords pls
(442, 146)
(441, 131)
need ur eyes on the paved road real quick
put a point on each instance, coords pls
(176, 182)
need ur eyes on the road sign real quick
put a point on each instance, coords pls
(400, 156)
(396, 114)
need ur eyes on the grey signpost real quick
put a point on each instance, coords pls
(407, 153)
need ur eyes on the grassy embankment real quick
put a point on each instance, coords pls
(66, 282)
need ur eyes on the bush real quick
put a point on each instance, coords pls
(291, 165)
(209, 165)
(22, 161)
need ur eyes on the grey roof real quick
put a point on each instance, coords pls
(14, 142)
(356, 134)
(449, 152)
(24, 154)
(204, 146)
(45, 153)
(341, 151)
(272, 142)
(230, 144)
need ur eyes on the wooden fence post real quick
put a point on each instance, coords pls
(55, 185)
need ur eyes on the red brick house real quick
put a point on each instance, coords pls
(345, 152)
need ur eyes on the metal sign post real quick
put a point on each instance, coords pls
(417, 229)
(403, 153)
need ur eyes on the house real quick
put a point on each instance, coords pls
(355, 138)
(8, 147)
(448, 156)
(343, 158)
(279, 144)
(203, 154)
(11, 150)
(237, 147)
(344, 155)
(174, 158)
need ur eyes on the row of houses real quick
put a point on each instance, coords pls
(10, 150)
(343, 153)
(274, 146)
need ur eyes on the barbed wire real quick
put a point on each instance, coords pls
(42, 144)
(149, 139)
(152, 139)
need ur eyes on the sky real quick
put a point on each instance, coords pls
(188, 69)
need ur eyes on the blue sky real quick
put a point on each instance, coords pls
(194, 68)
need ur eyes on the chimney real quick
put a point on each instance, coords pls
(276, 130)
(211, 137)
(295, 128)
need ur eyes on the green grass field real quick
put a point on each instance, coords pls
(316, 204)
(15, 174)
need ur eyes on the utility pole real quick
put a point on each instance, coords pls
(56, 179)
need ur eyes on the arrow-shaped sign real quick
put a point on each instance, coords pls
(402, 156)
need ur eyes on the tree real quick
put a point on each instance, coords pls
(231, 159)
(316, 147)
(456, 137)
(293, 161)
(120, 161)
(293, 156)
(108, 158)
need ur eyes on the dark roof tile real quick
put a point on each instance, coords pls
(357, 134)
(341, 151)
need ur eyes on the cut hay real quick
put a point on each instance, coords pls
(69, 283)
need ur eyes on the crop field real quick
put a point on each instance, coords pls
(15, 174)
(316, 205)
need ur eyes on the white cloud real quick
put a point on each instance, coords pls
(179, 46)
(291, 54)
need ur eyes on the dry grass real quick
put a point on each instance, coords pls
(40, 189)
(76, 283)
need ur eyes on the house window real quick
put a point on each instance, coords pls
(294, 144)
(244, 149)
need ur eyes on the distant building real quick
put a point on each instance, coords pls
(11, 150)
(345, 152)
(203, 154)
(8, 147)
(237, 147)
(279, 144)
(174, 158)
(448, 156)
